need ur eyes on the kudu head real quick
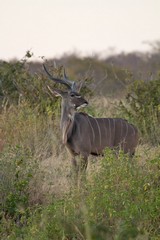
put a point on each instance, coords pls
(71, 99)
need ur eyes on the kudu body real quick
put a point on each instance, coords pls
(84, 135)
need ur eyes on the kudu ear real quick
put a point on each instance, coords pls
(56, 92)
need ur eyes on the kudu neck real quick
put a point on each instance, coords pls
(67, 113)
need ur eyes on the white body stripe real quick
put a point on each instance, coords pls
(126, 131)
(121, 131)
(109, 131)
(114, 126)
(105, 128)
(99, 130)
(92, 129)
(134, 133)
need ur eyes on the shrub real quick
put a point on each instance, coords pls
(17, 84)
(142, 106)
(120, 201)
(16, 169)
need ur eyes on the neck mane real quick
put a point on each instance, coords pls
(67, 119)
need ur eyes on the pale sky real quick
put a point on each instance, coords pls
(51, 28)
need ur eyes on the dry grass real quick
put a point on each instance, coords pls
(57, 172)
(146, 152)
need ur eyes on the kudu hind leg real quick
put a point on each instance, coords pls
(82, 171)
(79, 170)
(83, 163)
(81, 166)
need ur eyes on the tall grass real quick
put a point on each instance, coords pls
(26, 127)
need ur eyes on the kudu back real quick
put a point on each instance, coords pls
(84, 135)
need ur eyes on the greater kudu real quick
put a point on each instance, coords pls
(84, 135)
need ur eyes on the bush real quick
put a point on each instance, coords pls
(17, 85)
(121, 201)
(142, 106)
(16, 169)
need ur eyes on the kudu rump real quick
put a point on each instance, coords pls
(84, 135)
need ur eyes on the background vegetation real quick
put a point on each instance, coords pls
(120, 198)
